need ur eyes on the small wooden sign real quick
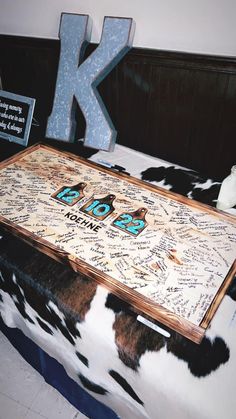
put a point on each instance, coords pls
(168, 256)
(16, 114)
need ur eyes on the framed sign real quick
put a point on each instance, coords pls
(16, 113)
(170, 257)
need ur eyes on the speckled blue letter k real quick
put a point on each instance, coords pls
(79, 82)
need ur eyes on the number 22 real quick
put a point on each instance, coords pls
(128, 223)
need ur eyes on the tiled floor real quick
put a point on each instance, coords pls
(24, 393)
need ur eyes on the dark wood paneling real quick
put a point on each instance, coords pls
(177, 106)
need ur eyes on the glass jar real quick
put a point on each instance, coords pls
(227, 194)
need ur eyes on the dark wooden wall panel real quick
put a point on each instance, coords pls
(177, 106)
(180, 108)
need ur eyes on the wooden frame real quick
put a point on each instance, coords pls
(61, 166)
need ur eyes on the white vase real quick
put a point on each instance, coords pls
(227, 194)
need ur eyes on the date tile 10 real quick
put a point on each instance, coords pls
(99, 208)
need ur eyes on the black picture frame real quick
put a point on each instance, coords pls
(16, 113)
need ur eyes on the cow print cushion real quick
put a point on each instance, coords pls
(97, 338)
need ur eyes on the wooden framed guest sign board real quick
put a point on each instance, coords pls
(170, 257)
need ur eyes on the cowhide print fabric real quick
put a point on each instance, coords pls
(97, 338)
(172, 177)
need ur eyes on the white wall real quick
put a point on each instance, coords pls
(204, 26)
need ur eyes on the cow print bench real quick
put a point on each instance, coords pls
(95, 336)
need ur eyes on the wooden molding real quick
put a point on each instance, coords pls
(176, 106)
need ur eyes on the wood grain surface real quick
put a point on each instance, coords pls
(176, 269)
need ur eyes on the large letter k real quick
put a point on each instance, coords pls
(80, 83)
